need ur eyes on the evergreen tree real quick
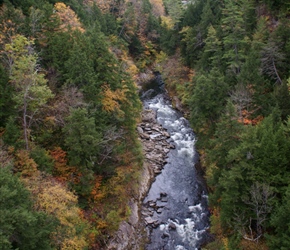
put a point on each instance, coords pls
(283, 100)
(21, 227)
(207, 17)
(6, 102)
(208, 98)
(174, 9)
(280, 221)
(225, 138)
(233, 35)
(212, 53)
(191, 16)
(82, 139)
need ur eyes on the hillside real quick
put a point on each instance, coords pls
(70, 158)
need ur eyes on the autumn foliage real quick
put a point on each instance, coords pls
(68, 18)
(62, 170)
(54, 198)
(24, 164)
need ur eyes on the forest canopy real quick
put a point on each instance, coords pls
(69, 105)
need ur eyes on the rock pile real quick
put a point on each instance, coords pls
(154, 140)
(152, 207)
(156, 147)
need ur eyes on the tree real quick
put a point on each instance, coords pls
(207, 17)
(20, 226)
(281, 223)
(56, 200)
(271, 59)
(82, 139)
(241, 98)
(31, 91)
(174, 9)
(157, 8)
(283, 100)
(11, 23)
(260, 202)
(234, 35)
(36, 20)
(208, 98)
(212, 53)
(68, 18)
(225, 138)
(6, 103)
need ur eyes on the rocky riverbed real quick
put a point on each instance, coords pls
(154, 140)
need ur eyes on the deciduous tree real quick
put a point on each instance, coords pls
(31, 91)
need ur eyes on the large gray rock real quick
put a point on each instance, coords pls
(149, 115)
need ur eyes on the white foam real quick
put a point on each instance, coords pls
(178, 247)
(194, 208)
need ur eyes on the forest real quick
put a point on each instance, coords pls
(70, 158)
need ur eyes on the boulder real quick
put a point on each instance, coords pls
(172, 226)
(145, 136)
(149, 220)
(149, 115)
(140, 130)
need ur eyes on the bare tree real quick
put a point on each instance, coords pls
(259, 202)
(271, 57)
(35, 16)
(241, 98)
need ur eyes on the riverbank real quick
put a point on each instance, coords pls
(132, 234)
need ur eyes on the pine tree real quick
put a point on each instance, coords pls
(82, 139)
(6, 90)
(212, 53)
(21, 226)
(280, 221)
(208, 98)
(234, 35)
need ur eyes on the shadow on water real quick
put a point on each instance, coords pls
(176, 207)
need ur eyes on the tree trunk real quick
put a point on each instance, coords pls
(25, 120)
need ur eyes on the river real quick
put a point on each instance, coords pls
(177, 199)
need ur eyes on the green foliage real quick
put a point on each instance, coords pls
(82, 139)
(208, 98)
(146, 6)
(234, 35)
(281, 223)
(23, 4)
(31, 91)
(174, 9)
(135, 46)
(168, 40)
(21, 227)
(226, 137)
(56, 52)
(283, 99)
(113, 219)
(42, 159)
(12, 134)
(6, 103)
(237, 98)
(212, 54)
(243, 198)
(95, 122)
(199, 17)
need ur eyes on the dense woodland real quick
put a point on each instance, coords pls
(70, 158)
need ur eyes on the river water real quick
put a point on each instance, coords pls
(177, 199)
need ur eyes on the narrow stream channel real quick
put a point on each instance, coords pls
(177, 199)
